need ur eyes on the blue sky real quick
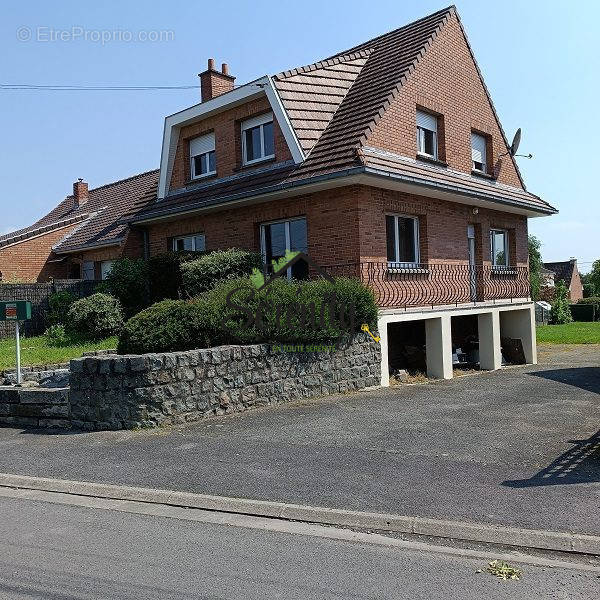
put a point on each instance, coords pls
(539, 60)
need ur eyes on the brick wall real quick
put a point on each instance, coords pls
(228, 152)
(27, 260)
(445, 82)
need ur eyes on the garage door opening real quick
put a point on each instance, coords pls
(407, 348)
(465, 343)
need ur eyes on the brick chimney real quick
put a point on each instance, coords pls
(80, 192)
(214, 83)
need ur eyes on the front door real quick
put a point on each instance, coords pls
(472, 273)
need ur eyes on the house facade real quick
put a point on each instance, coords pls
(568, 272)
(386, 161)
(82, 236)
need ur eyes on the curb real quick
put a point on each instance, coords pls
(474, 532)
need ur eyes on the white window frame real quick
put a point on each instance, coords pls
(208, 141)
(483, 139)
(421, 136)
(493, 231)
(288, 238)
(259, 121)
(193, 237)
(398, 263)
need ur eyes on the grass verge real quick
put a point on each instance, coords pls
(570, 333)
(35, 351)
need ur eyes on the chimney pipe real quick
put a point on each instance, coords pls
(80, 192)
(214, 83)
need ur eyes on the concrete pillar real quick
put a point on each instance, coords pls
(438, 337)
(382, 331)
(521, 324)
(490, 355)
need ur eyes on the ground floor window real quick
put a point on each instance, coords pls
(105, 268)
(278, 237)
(499, 247)
(402, 235)
(193, 243)
(88, 271)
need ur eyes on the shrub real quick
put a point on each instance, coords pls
(95, 317)
(59, 303)
(165, 274)
(560, 312)
(56, 336)
(289, 312)
(167, 326)
(590, 300)
(128, 282)
(206, 272)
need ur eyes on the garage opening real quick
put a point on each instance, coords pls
(515, 331)
(465, 343)
(407, 348)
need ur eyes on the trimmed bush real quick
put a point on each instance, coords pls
(59, 303)
(590, 300)
(165, 274)
(128, 282)
(234, 312)
(95, 317)
(57, 337)
(167, 326)
(206, 272)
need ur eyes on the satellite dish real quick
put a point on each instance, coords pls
(514, 147)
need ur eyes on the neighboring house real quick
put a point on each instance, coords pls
(82, 236)
(567, 271)
(546, 284)
(386, 161)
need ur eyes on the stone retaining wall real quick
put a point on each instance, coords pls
(123, 392)
(34, 407)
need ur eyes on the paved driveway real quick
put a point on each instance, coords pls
(517, 447)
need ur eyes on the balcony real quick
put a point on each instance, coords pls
(402, 286)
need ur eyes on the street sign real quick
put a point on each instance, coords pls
(20, 310)
(15, 311)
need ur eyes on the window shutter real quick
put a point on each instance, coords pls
(259, 120)
(426, 121)
(202, 144)
(478, 144)
(169, 244)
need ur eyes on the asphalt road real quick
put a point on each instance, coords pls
(59, 552)
(517, 447)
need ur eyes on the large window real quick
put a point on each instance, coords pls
(258, 142)
(280, 236)
(478, 152)
(192, 243)
(402, 234)
(499, 247)
(202, 156)
(427, 134)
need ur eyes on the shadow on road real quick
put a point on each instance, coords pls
(586, 378)
(580, 464)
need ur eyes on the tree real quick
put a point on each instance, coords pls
(594, 277)
(560, 312)
(535, 266)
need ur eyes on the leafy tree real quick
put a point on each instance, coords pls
(594, 277)
(560, 312)
(535, 266)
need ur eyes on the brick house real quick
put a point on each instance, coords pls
(567, 271)
(82, 236)
(386, 161)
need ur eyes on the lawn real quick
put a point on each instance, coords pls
(571, 333)
(35, 351)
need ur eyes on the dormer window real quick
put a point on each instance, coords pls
(202, 156)
(427, 134)
(478, 152)
(258, 141)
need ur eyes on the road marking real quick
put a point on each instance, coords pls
(283, 526)
(458, 530)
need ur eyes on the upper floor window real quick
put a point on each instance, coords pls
(202, 156)
(192, 243)
(402, 235)
(258, 141)
(427, 134)
(499, 247)
(479, 152)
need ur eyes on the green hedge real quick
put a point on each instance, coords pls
(59, 303)
(128, 282)
(288, 312)
(206, 272)
(165, 274)
(95, 317)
